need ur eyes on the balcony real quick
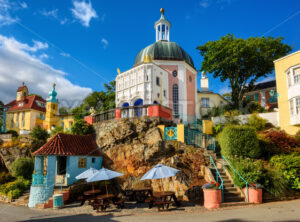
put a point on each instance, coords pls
(39, 180)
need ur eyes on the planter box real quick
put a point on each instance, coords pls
(212, 198)
(254, 195)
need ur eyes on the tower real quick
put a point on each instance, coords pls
(22, 92)
(204, 82)
(51, 109)
(162, 27)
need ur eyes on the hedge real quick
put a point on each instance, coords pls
(239, 141)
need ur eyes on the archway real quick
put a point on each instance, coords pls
(138, 110)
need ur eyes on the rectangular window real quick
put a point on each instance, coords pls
(297, 76)
(289, 79)
(256, 97)
(17, 121)
(298, 105)
(205, 102)
(292, 107)
(157, 81)
(23, 119)
(93, 160)
(165, 93)
(82, 163)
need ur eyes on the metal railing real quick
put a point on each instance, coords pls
(199, 139)
(218, 176)
(106, 115)
(39, 179)
(237, 173)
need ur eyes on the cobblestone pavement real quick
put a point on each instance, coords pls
(288, 211)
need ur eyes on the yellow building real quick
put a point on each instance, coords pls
(206, 99)
(287, 70)
(28, 111)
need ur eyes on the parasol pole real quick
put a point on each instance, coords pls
(162, 185)
(106, 187)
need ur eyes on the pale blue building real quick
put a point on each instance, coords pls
(59, 161)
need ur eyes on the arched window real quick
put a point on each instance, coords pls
(175, 100)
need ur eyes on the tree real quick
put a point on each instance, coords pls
(57, 129)
(101, 101)
(80, 127)
(241, 61)
(22, 167)
(63, 110)
(38, 133)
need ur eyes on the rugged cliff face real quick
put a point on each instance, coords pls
(9, 154)
(134, 147)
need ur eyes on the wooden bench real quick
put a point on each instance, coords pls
(163, 205)
(103, 206)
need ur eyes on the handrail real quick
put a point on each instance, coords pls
(224, 159)
(221, 187)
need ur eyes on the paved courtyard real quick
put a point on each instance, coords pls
(288, 211)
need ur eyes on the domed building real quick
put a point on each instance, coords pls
(164, 74)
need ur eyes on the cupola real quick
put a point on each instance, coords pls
(162, 27)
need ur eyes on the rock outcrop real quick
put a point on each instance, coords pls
(134, 147)
(9, 154)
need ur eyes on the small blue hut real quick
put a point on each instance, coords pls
(59, 161)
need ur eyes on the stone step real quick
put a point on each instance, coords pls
(232, 192)
(231, 204)
(233, 199)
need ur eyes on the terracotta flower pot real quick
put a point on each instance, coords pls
(254, 195)
(212, 198)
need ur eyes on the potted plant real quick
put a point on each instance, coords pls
(254, 193)
(212, 195)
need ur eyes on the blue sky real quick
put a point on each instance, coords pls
(80, 44)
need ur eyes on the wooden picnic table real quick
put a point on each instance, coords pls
(138, 194)
(89, 195)
(103, 201)
(162, 200)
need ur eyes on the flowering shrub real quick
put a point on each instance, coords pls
(281, 140)
(211, 185)
(255, 185)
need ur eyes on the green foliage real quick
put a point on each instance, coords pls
(16, 188)
(101, 101)
(253, 107)
(241, 61)
(5, 177)
(22, 167)
(274, 182)
(289, 165)
(13, 133)
(38, 133)
(218, 128)
(257, 122)
(80, 127)
(63, 110)
(239, 141)
(57, 129)
(268, 148)
(250, 170)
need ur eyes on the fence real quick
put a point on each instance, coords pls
(199, 139)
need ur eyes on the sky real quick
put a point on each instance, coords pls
(79, 44)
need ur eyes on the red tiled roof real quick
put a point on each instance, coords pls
(29, 103)
(70, 145)
(21, 88)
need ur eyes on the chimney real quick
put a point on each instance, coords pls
(204, 82)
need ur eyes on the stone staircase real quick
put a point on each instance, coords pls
(49, 203)
(23, 199)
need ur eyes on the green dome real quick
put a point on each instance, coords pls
(164, 50)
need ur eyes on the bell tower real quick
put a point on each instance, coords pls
(22, 92)
(51, 109)
(162, 27)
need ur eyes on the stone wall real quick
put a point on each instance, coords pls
(39, 194)
(9, 155)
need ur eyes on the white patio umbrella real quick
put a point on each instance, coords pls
(104, 174)
(86, 174)
(160, 171)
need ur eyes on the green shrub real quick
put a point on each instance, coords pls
(13, 133)
(239, 141)
(283, 141)
(5, 177)
(38, 133)
(250, 170)
(22, 167)
(268, 148)
(257, 122)
(16, 188)
(289, 165)
(274, 182)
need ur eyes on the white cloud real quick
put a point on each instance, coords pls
(83, 11)
(17, 66)
(266, 79)
(44, 56)
(65, 54)
(204, 3)
(225, 89)
(51, 13)
(63, 21)
(23, 4)
(5, 16)
(104, 43)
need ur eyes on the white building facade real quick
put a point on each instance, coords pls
(163, 74)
